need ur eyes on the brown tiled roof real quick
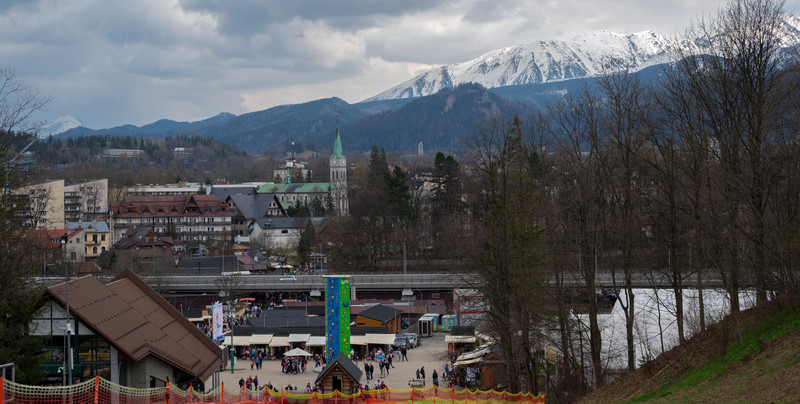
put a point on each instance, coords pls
(50, 238)
(169, 206)
(139, 322)
(82, 268)
(143, 238)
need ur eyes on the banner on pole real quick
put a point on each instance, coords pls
(216, 321)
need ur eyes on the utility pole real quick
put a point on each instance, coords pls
(68, 326)
(233, 347)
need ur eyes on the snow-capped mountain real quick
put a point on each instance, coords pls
(588, 55)
(541, 62)
(61, 124)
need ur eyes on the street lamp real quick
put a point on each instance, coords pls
(233, 347)
(68, 327)
(189, 306)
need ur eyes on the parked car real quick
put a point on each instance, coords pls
(413, 339)
(288, 278)
(400, 342)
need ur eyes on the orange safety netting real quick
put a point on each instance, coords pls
(102, 391)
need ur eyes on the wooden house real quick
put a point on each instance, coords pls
(380, 316)
(340, 374)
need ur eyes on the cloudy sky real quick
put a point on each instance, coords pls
(113, 62)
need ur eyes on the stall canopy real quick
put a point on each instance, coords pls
(379, 339)
(238, 340)
(469, 356)
(358, 340)
(296, 352)
(260, 339)
(298, 338)
(317, 340)
(459, 339)
(279, 341)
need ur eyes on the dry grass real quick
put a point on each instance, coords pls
(752, 357)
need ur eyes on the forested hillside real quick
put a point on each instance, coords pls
(82, 157)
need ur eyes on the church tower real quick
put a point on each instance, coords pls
(338, 167)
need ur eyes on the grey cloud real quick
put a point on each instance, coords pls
(245, 18)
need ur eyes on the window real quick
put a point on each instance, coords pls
(284, 231)
(94, 250)
(102, 237)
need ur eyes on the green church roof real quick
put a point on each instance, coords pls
(302, 188)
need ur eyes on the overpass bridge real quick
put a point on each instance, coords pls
(183, 284)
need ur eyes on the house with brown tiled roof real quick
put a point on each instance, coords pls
(196, 219)
(123, 331)
(139, 250)
(47, 243)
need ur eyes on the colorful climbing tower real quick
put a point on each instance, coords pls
(337, 316)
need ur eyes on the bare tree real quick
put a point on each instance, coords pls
(37, 206)
(582, 202)
(265, 241)
(18, 295)
(509, 267)
(626, 122)
(735, 76)
(94, 197)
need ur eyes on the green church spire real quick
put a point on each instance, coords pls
(337, 144)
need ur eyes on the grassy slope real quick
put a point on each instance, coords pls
(753, 357)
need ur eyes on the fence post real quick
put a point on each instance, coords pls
(412, 394)
(2, 396)
(167, 392)
(222, 393)
(96, 388)
(191, 393)
(453, 395)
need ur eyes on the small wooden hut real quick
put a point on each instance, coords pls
(341, 374)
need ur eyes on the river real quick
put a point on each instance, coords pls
(654, 307)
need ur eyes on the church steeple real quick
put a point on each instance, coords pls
(338, 170)
(337, 143)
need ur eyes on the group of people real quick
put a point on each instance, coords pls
(250, 384)
(384, 364)
(379, 385)
(293, 365)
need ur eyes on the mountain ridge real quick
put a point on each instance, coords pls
(586, 55)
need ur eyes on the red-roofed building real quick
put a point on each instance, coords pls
(194, 218)
(48, 242)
